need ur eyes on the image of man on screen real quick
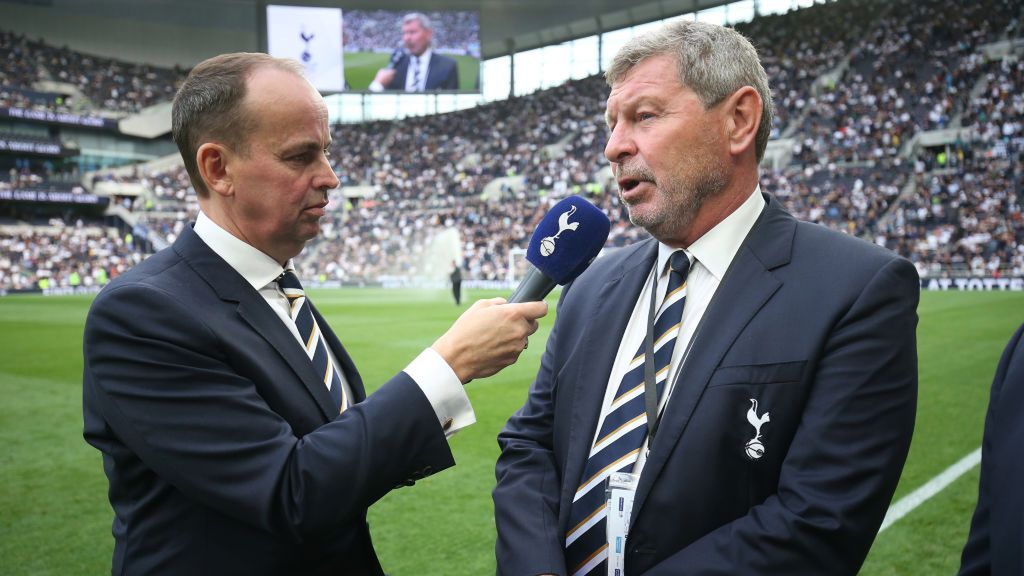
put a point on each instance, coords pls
(416, 67)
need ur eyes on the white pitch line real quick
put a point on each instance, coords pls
(937, 484)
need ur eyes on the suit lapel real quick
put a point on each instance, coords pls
(262, 319)
(747, 286)
(592, 362)
(252, 308)
(433, 70)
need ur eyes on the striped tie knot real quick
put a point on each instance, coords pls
(316, 349)
(622, 430)
(680, 265)
(292, 289)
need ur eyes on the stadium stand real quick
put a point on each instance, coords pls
(116, 87)
(860, 87)
(55, 255)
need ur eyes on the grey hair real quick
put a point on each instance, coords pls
(713, 61)
(208, 106)
(419, 17)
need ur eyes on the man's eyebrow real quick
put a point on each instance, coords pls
(304, 146)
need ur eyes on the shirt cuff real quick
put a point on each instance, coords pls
(443, 390)
(376, 87)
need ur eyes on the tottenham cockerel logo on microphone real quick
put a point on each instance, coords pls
(754, 447)
(547, 245)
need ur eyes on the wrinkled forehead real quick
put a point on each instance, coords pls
(654, 79)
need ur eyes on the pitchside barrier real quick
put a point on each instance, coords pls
(974, 283)
(969, 283)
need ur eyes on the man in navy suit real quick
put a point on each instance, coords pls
(419, 68)
(783, 410)
(235, 430)
(997, 531)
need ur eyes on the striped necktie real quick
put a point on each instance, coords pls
(302, 314)
(621, 434)
(415, 73)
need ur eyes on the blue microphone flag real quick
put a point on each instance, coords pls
(569, 237)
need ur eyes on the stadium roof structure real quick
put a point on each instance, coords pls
(507, 26)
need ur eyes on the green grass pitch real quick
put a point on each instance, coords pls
(55, 519)
(361, 67)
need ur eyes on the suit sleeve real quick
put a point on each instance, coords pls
(847, 454)
(977, 556)
(173, 392)
(527, 492)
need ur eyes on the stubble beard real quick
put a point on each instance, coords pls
(681, 201)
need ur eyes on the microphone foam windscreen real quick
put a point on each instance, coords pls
(567, 239)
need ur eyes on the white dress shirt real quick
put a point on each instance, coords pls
(710, 257)
(432, 374)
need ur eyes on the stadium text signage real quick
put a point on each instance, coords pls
(52, 197)
(973, 283)
(28, 146)
(58, 118)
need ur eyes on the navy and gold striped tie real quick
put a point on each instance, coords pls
(621, 434)
(315, 347)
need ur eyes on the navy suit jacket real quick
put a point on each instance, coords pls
(996, 543)
(817, 326)
(221, 445)
(442, 74)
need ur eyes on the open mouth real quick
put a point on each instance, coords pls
(628, 184)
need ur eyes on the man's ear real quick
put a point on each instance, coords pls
(213, 160)
(743, 109)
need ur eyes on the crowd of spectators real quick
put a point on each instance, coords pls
(491, 172)
(800, 47)
(997, 113)
(912, 70)
(61, 256)
(964, 220)
(847, 198)
(19, 57)
(111, 85)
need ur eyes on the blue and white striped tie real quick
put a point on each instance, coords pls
(617, 444)
(315, 347)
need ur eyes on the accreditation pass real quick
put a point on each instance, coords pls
(621, 489)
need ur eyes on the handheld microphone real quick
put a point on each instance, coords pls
(395, 57)
(565, 242)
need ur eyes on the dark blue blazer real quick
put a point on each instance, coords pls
(996, 542)
(221, 445)
(817, 326)
(442, 74)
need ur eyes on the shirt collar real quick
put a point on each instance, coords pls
(718, 246)
(424, 59)
(257, 268)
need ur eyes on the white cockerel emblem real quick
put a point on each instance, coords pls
(547, 245)
(754, 447)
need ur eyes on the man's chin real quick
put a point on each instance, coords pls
(643, 218)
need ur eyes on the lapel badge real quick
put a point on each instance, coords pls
(754, 448)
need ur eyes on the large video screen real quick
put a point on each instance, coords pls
(312, 36)
(379, 50)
